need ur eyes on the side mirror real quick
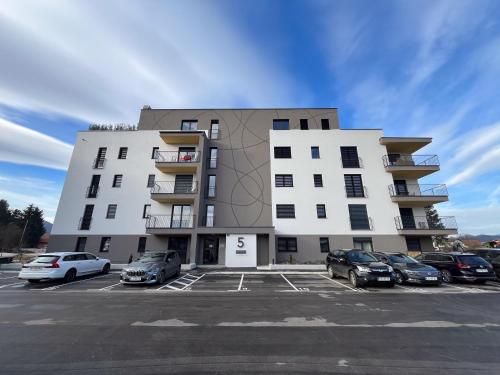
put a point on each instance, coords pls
(97, 258)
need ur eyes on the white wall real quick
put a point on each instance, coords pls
(305, 196)
(241, 242)
(130, 198)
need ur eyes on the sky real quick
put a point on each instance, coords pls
(413, 68)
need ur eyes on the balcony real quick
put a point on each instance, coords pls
(182, 137)
(172, 192)
(404, 145)
(170, 224)
(422, 195)
(177, 161)
(420, 225)
(410, 166)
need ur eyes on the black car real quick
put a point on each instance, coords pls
(492, 256)
(409, 270)
(360, 267)
(459, 266)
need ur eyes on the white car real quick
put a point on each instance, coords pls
(64, 265)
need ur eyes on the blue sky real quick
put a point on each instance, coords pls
(420, 68)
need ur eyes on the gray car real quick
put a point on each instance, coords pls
(152, 268)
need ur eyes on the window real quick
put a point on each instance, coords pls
(151, 181)
(80, 244)
(154, 153)
(280, 125)
(325, 124)
(210, 215)
(90, 256)
(145, 211)
(354, 186)
(359, 216)
(87, 217)
(111, 214)
(93, 189)
(214, 129)
(101, 158)
(282, 153)
(413, 243)
(283, 180)
(318, 180)
(324, 244)
(117, 180)
(363, 243)
(105, 244)
(321, 211)
(304, 124)
(285, 211)
(211, 186)
(212, 162)
(183, 184)
(287, 244)
(189, 125)
(349, 157)
(315, 152)
(141, 246)
(122, 154)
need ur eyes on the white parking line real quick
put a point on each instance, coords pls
(344, 285)
(72, 282)
(5, 278)
(241, 281)
(412, 290)
(185, 278)
(109, 287)
(5, 286)
(468, 290)
(288, 281)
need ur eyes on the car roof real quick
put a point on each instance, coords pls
(61, 253)
(450, 253)
(394, 253)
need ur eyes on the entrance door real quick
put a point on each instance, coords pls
(179, 244)
(210, 250)
(407, 219)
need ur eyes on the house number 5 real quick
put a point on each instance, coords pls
(240, 242)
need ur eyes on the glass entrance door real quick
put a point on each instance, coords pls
(210, 250)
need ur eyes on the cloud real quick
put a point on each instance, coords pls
(103, 64)
(476, 220)
(487, 162)
(21, 145)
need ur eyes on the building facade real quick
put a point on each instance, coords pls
(246, 188)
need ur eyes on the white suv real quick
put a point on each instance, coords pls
(66, 266)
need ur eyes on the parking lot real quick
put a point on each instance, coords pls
(267, 283)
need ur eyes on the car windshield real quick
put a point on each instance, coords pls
(46, 259)
(361, 256)
(405, 259)
(148, 258)
(472, 260)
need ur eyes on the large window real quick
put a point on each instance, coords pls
(93, 189)
(363, 243)
(101, 158)
(281, 125)
(80, 244)
(105, 244)
(354, 186)
(87, 217)
(282, 152)
(283, 180)
(141, 246)
(285, 211)
(304, 124)
(214, 129)
(111, 212)
(122, 154)
(210, 215)
(324, 244)
(318, 180)
(315, 152)
(325, 124)
(212, 162)
(413, 243)
(189, 125)
(287, 244)
(117, 180)
(359, 216)
(151, 181)
(321, 211)
(350, 157)
(211, 191)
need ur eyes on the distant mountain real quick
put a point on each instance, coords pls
(47, 226)
(480, 237)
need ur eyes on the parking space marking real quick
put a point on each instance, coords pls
(18, 283)
(241, 282)
(109, 287)
(412, 290)
(72, 282)
(188, 277)
(10, 277)
(467, 290)
(293, 286)
(344, 285)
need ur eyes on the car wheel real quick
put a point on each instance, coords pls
(399, 277)
(161, 278)
(353, 278)
(70, 275)
(447, 278)
(33, 281)
(106, 268)
(331, 273)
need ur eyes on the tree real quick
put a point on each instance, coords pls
(5, 216)
(434, 222)
(33, 219)
(10, 235)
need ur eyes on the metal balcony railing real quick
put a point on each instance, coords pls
(99, 163)
(423, 223)
(351, 192)
(170, 221)
(177, 156)
(418, 190)
(170, 187)
(408, 160)
(84, 223)
(92, 191)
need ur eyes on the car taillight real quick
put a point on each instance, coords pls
(463, 266)
(53, 265)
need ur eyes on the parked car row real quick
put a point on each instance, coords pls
(363, 267)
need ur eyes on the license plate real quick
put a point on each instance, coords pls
(36, 268)
(383, 279)
(431, 278)
(135, 278)
(481, 270)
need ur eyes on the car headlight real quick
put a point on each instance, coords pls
(363, 269)
(390, 268)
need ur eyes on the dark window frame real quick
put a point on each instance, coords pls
(324, 244)
(111, 211)
(141, 244)
(151, 181)
(191, 122)
(318, 180)
(122, 153)
(145, 211)
(354, 188)
(212, 161)
(315, 152)
(211, 190)
(286, 244)
(325, 124)
(79, 245)
(117, 181)
(362, 240)
(282, 152)
(283, 180)
(285, 211)
(350, 157)
(358, 217)
(103, 243)
(281, 124)
(304, 124)
(214, 134)
(154, 152)
(321, 211)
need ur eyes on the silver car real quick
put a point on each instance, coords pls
(152, 268)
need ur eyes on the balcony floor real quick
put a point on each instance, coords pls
(419, 201)
(427, 232)
(173, 198)
(411, 172)
(177, 167)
